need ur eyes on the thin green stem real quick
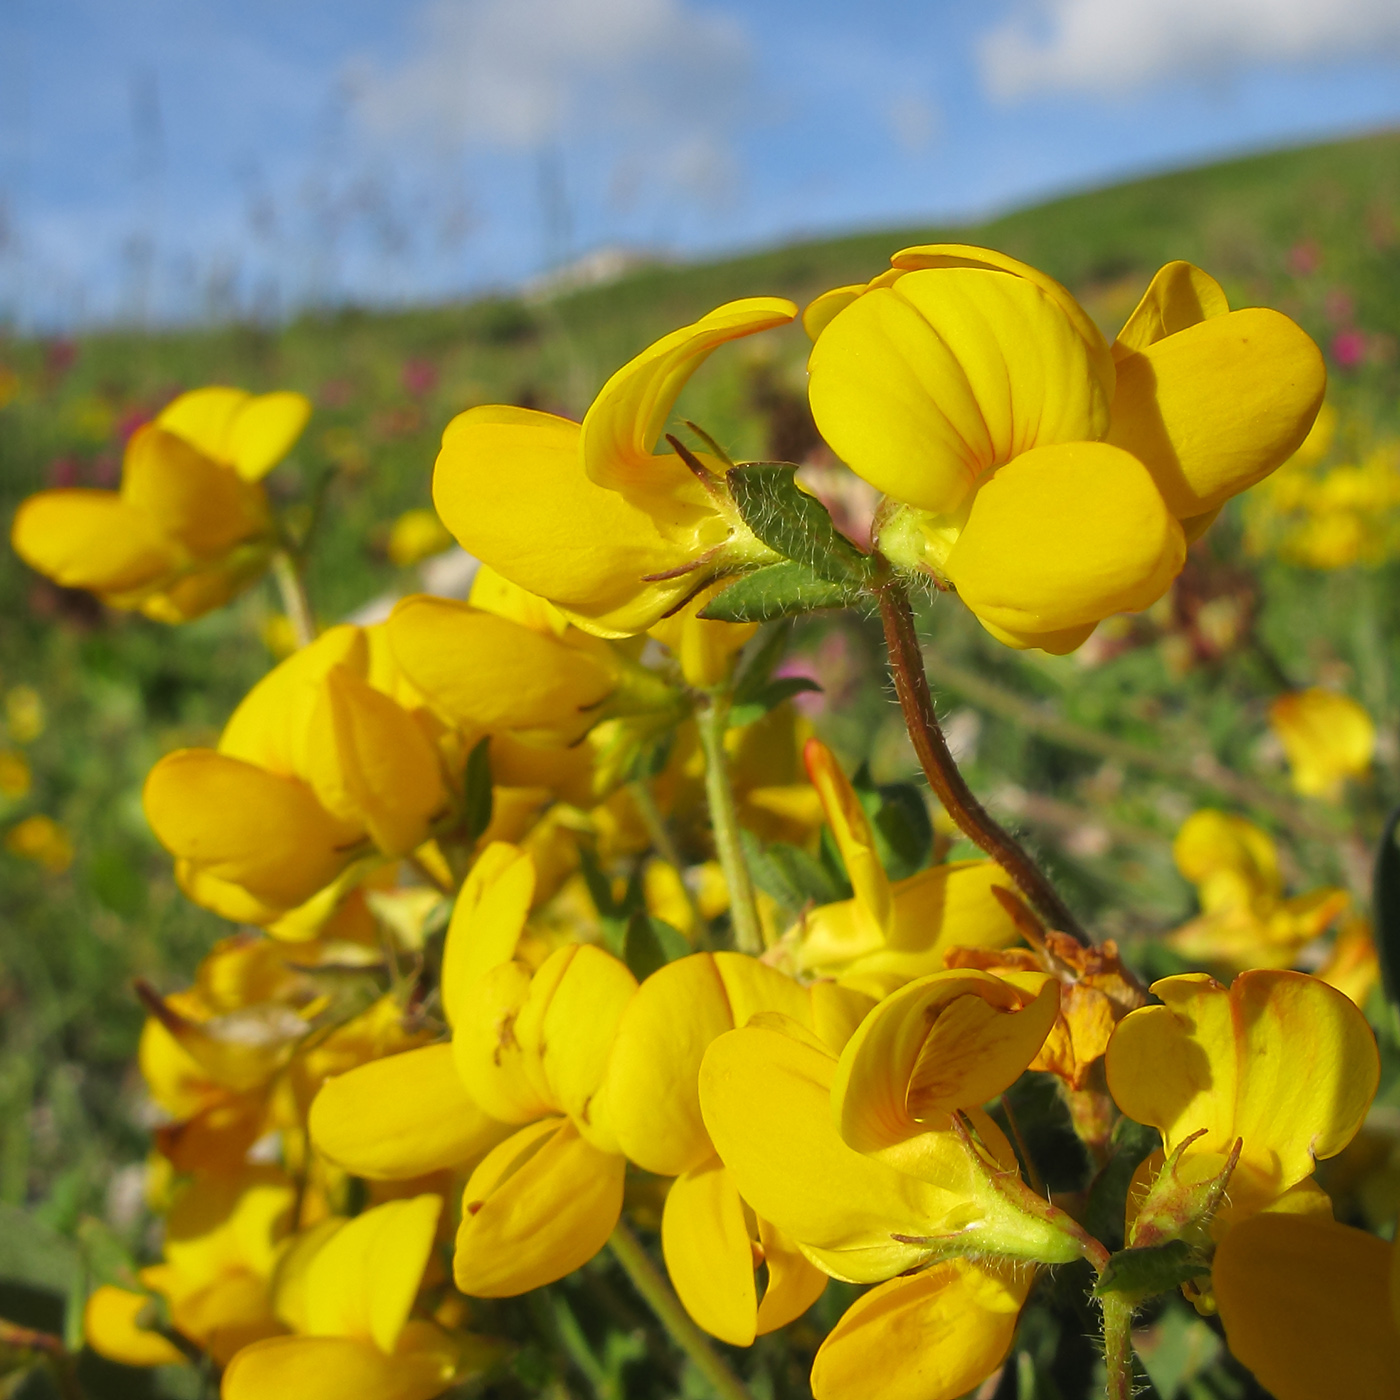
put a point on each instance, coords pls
(660, 836)
(713, 719)
(1118, 1346)
(648, 1281)
(948, 784)
(295, 603)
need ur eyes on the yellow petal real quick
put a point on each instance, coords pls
(509, 485)
(709, 1254)
(969, 255)
(704, 649)
(363, 1282)
(1281, 1060)
(924, 387)
(487, 921)
(1180, 295)
(483, 670)
(574, 1028)
(949, 1041)
(263, 432)
(272, 724)
(849, 825)
(628, 416)
(1217, 406)
(794, 1284)
(204, 417)
(403, 1116)
(112, 1328)
(822, 310)
(1212, 844)
(766, 1096)
(1327, 737)
(247, 826)
(541, 1205)
(337, 1368)
(1306, 1306)
(191, 499)
(371, 764)
(1065, 536)
(494, 593)
(653, 1072)
(935, 1336)
(497, 1071)
(91, 539)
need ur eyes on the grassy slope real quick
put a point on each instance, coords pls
(121, 691)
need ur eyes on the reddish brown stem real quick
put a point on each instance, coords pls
(951, 789)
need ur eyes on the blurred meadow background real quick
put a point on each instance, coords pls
(144, 251)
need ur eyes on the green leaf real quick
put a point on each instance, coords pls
(1132, 1143)
(900, 822)
(36, 1254)
(1144, 1273)
(779, 590)
(788, 875)
(795, 524)
(478, 799)
(650, 943)
(1386, 904)
(769, 698)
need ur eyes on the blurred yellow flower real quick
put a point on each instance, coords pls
(279, 635)
(1050, 479)
(14, 773)
(190, 526)
(415, 536)
(1328, 738)
(42, 840)
(1245, 921)
(25, 716)
(9, 385)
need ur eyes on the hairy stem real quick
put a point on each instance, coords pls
(295, 603)
(713, 719)
(951, 789)
(1118, 1346)
(648, 1281)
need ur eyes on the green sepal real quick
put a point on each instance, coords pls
(478, 800)
(1144, 1273)
(779, 590)
(794, 524)
(650, 943)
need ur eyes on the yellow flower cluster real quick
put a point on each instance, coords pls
(1321, 513)
(506, 982)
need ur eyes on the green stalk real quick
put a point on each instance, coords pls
(713, 719)
(1118, 1345)
(295, 603)
(648, 1281)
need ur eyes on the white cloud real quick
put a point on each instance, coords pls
(660, 76)
(1115, 47)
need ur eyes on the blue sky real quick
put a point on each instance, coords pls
(164, 159)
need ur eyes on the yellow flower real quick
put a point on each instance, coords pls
(1245, 921)
(330, 758)
(42, 840)
(704, 650)
(1279, 1062)
(25, 717)
(222, 1239)
(868, 1163)
(1328, 738)
(1048, 478)
(416, 535)
(711, 1239)
(1311, 1307)
(190, 526)
(527, 1061)
(858, 1158)
(891, 931)
(588, 515)
(346, 1288)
